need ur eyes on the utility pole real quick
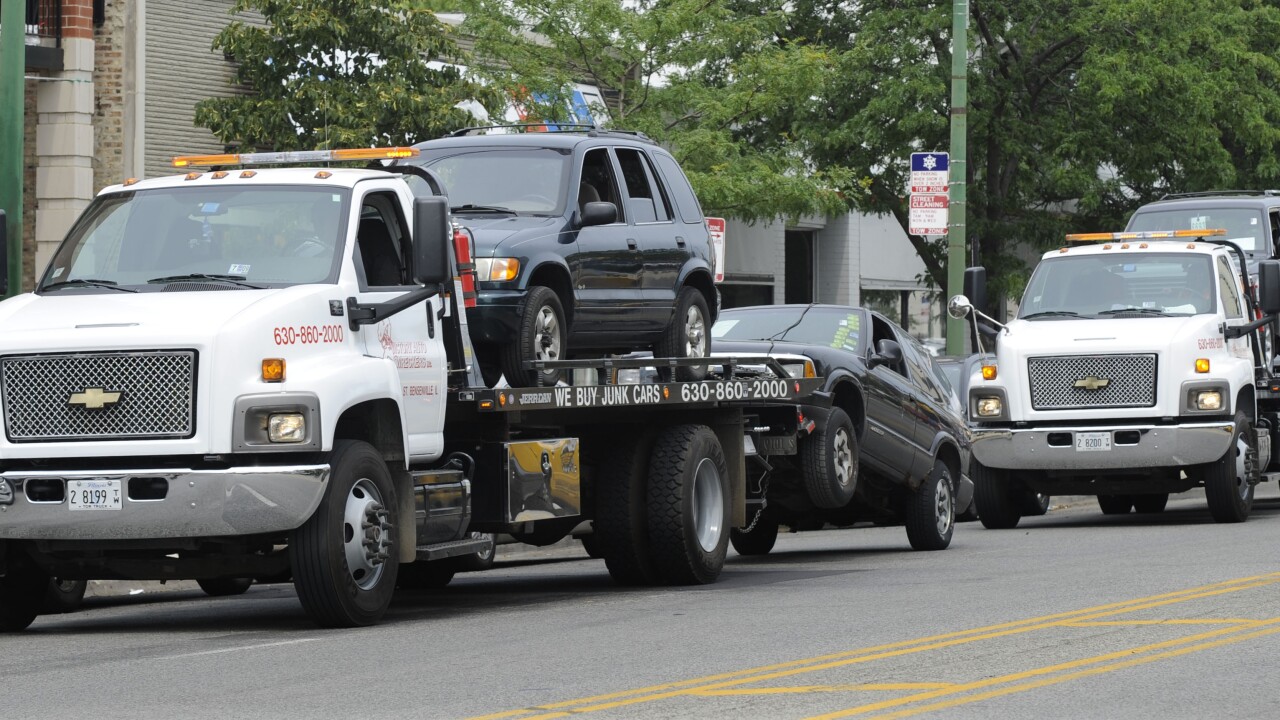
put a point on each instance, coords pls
(959, 166)
(13, 63)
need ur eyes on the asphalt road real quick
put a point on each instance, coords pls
(1072, 615)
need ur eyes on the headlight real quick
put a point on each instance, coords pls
(497, 269)
(1208, 400)
(800, 370)
(990, 406)
(287, 428)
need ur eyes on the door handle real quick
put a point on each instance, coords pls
(631, 243)
(680, 240)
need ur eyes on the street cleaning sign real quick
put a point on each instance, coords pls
(929, 205)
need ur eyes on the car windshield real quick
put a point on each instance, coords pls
(240, 237)
(1120, 285)
(529, 181)
(1244, 226)
(830, 327)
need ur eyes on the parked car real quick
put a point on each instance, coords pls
(586, 242)
(958, 369)
(891, 449)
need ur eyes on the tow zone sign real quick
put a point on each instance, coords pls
(929, 199)
(929, 213)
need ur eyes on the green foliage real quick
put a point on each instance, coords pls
(339, 73)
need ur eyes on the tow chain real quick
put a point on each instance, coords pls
(764, 503)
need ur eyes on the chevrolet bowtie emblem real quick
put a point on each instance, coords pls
(1092, 383)
(93, 398)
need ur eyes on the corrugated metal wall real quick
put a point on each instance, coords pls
(182, 70)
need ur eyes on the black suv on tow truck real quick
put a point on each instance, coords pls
(586, 242)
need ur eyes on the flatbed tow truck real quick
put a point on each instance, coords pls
(205, 385)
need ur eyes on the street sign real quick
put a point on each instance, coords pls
(715, 227)
(928, 213)
(930, 172)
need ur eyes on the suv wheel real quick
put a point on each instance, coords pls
(689, 334)
(541, 335)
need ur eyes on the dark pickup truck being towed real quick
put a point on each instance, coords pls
(586, 241)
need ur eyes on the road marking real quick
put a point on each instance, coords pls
(1226, 636)
(721, 681)
(235, 649)
(858, 687)
(1172, 621)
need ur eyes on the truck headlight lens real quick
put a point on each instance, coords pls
(1209, 400)
(497, 269)
(287, 428)
(990, 406)
(800, 370)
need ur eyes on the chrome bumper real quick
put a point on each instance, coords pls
(198, 503)
(1156, 446)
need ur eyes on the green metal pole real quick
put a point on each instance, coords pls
(13, 62)
(959, 165)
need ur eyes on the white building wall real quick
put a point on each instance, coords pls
(887, 259)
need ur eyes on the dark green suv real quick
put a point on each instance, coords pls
(586, 242)
(1250, 217)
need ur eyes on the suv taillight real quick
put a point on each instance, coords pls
(466, 266)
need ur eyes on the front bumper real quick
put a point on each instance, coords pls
(198, 503)
(496, 316)
(1143, 447)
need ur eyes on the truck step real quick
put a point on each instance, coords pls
(454, 548)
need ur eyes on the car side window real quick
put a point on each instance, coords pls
(881, 330)
(380, 241)
(921, 367)
(1228, 290)
(644, 197)
(599, 183)
(686, 201)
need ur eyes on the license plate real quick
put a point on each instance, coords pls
(93, 494)
(1093, 441)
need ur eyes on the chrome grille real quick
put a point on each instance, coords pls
(1130, 381)
(157, 395)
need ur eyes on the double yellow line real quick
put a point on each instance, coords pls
(1033, 678)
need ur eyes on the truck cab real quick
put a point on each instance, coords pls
(1131, 371)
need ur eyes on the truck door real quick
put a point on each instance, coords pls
(607, 266)
(889, 438)
(410, 339)
(663, 246)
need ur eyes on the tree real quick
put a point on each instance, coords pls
(340, 73)
(691, 74)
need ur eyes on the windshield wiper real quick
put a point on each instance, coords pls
(1136, 311)
(233, 279)
(87, 282)
(1051, 313)
(483, 208)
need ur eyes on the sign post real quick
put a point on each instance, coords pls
(715, 227)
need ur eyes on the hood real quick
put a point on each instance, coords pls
(823, 357)
(1109, 335)
(508, 232)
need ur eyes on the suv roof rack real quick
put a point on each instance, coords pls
(1211, 193)
(546, 127)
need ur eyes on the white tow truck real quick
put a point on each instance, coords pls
(206, 385)
(1133, 370)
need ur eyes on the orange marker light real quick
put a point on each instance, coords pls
(193, 175)
(219, 175)
(988, 372)
(324, 175)
(130, 181)
(273, 369)
(248, 173)
(1202, 365)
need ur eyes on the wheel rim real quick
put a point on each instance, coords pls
(366, 534)
(546, 335)
(695, 333)
(708, 505)
(943, 509)
(65, 586)
(1243, 459)
(843, 456)
(489, 549)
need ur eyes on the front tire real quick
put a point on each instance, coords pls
(757, 542)
(542, 334)
(1226, 480)
(994, 498)
(1034, 504)
(1150, 503)
(829, 462)
(621, 527)
(63, 596)
(480, 559)
(1115, 504)
(689, 335)
(21, 597)
(931, 511)
(688, 505)
(345, 557)
(225, 587)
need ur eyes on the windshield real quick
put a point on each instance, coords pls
(265, 236)
(1244, 226)
(830, 327)
(1120, 285)
(531, 181)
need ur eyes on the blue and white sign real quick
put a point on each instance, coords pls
(930, 172)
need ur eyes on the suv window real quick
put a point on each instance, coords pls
(524, 180)
(644, 200)
(686, 202)
(598, 180)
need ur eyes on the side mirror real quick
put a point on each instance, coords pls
(1269, 286)
(4, 254)
(598, 213)
(888, 352)
(959, 307)
(431, 235)
(975, 286)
